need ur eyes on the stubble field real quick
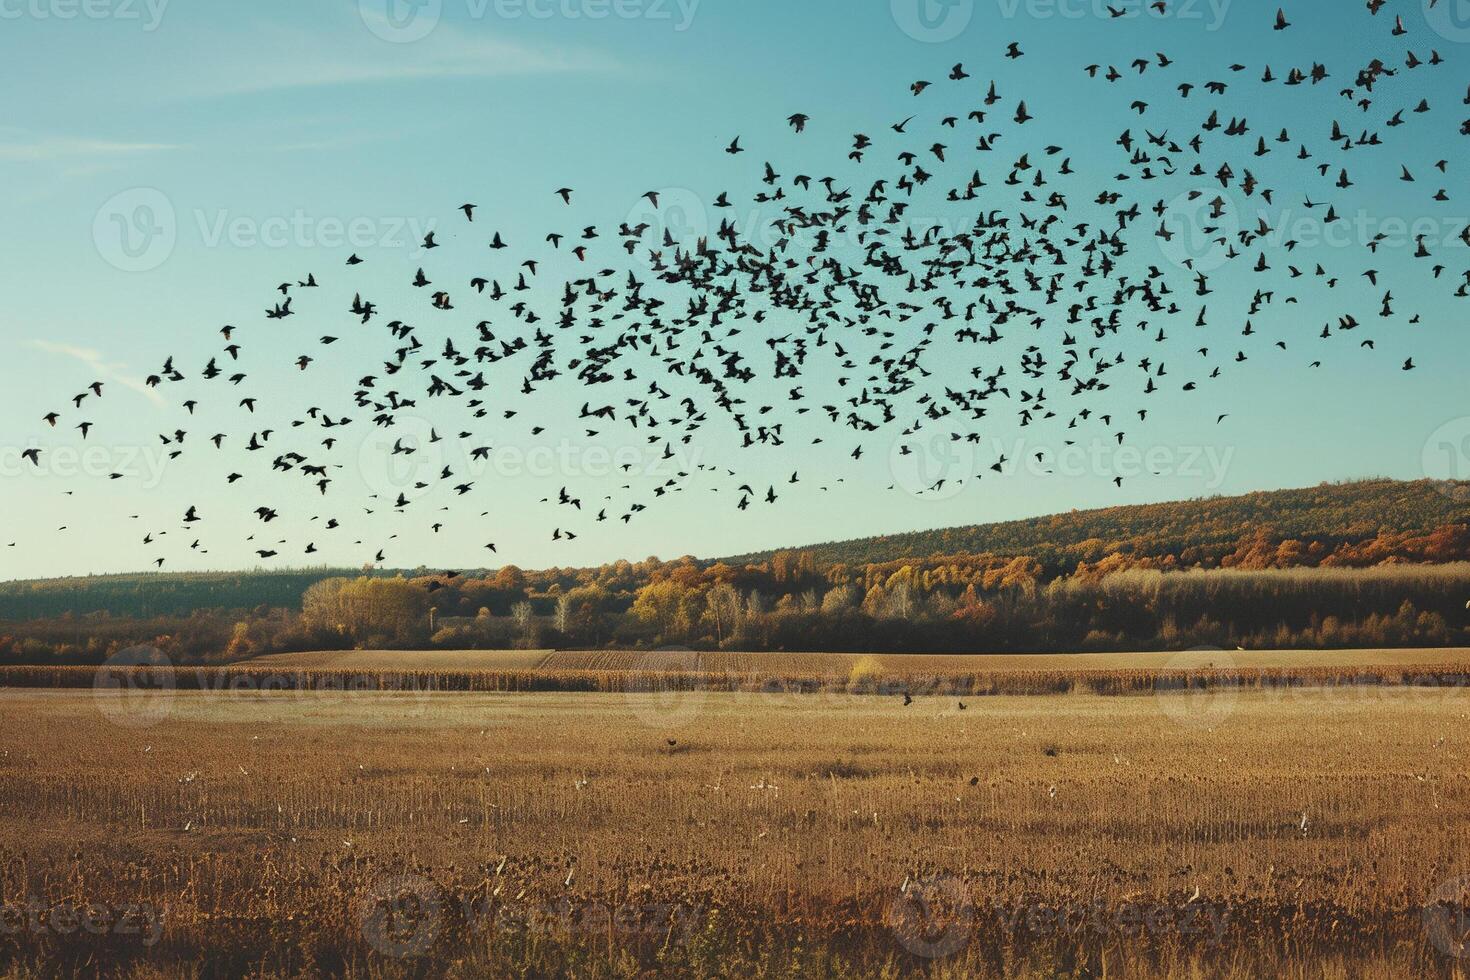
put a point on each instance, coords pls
(841, 664)
(1228, 832)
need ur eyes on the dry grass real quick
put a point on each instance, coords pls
(907, 663)
(436, 660)
(621, 671)
(1218, 833)
(841, 664)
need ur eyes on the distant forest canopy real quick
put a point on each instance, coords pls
(1357, 524)
(1333, 565)
(1199, 533)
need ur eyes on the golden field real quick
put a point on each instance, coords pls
(632, 671)
(1298, 832)
(944, 663)
(400, 659)
(789, 663)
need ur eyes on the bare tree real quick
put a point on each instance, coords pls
(563, 613)
(723, 609)
(522, 613)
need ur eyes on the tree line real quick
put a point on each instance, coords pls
(1359, 564)
(929, 607)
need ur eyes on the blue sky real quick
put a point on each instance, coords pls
(261, 141)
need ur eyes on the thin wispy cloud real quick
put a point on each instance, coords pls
(334, 143)
(21, 146)
(352, 54)
(114, 371)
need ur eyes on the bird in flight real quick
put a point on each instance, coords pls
(909, 293)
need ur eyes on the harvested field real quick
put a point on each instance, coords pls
(348, 660)
(901, 663)
(1225, 833)
(789, 673)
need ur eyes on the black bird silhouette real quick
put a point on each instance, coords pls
(956, 272)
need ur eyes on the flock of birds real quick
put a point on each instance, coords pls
(832, 319)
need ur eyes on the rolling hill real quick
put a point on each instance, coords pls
(1337, 512)
(1395, 517)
